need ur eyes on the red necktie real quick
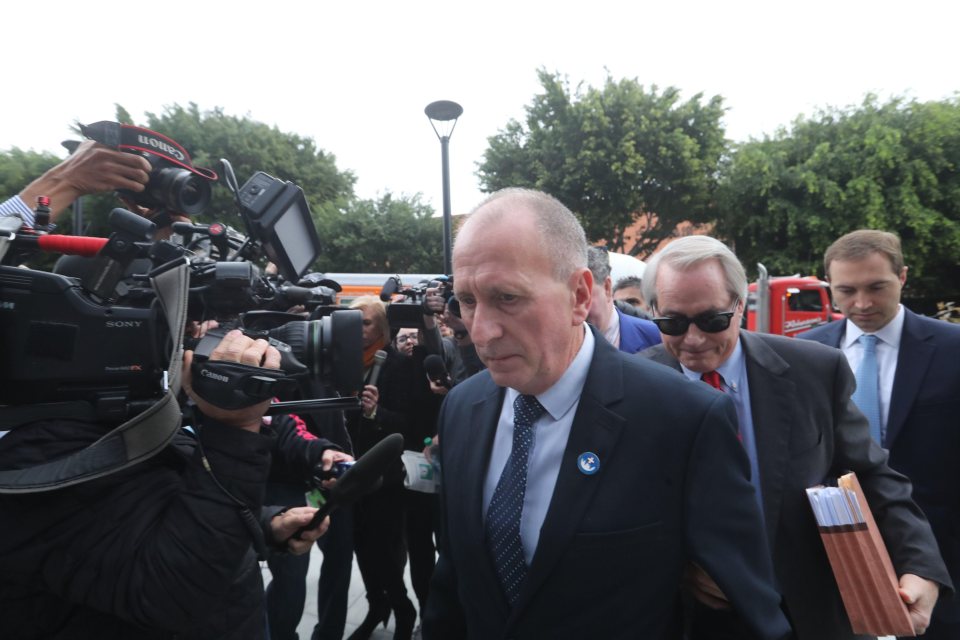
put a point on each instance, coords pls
(713, 379)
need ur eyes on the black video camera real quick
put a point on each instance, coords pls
(101, 338)
(409, 312)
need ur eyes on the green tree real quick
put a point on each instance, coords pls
(614, 155)
(892, 166)
(18, 168)
(382, 235)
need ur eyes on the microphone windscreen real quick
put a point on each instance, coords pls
(365, 475)
(436, 369)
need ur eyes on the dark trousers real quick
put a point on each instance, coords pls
(287, 590)
(421, 515)
(337, 547)
(379, 545)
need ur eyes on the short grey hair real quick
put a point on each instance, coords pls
(561, 234)
(628, 281)
(687, 252)
(598, 261)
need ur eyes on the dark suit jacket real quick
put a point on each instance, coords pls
(636, 334)
(809, 432)
(923, 434)
(672, 487)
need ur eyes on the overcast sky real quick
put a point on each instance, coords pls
(355, 76)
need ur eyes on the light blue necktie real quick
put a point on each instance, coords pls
(506, 506)
(867, 395)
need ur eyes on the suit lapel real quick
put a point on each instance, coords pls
(596, 429)
(771, 409)
(915, 353)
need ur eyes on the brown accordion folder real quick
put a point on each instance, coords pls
(859, 559)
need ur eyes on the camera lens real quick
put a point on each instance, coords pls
(331, 348)
(180, 190)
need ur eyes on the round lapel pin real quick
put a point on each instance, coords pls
(588, 463)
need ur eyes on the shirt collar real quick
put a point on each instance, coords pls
(889, 334)
(565, 392)
(731, 369)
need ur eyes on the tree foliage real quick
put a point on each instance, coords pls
(892, 166)
(18, 168)
(614, 155)
(383, 235)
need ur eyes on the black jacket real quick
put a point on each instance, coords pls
(154, 551)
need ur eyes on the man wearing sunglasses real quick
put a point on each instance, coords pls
(798, 428)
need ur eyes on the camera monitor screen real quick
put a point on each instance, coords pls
(278, 216)
(290, 232)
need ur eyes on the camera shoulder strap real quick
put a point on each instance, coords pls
(137, 439)
(128, 137)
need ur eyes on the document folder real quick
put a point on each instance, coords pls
(860, 562)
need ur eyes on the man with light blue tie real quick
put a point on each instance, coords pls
(908, 385)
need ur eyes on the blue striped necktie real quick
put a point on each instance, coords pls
(867, 395)
(506, 506)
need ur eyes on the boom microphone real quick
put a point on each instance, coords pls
(378, 359)
(437, 370)
(365, 476)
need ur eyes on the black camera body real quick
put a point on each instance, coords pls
(172, 188)
(59, 343)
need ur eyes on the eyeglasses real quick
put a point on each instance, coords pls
(412, 337)
(708, 322)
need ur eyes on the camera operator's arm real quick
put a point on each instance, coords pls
(92, 168)
(299, 452)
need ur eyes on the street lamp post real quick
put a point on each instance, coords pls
(443, 116)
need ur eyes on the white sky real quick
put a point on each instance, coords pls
(355, 76)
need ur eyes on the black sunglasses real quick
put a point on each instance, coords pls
(708, 322)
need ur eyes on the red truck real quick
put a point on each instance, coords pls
(788, 305)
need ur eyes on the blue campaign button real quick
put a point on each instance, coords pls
(588, 463)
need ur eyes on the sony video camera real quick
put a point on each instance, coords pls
(99, 336)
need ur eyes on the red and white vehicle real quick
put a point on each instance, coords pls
(788, 305)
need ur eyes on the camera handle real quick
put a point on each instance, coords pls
(349, 403)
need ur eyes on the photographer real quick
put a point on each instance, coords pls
(161, 549)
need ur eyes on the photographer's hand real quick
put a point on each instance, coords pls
(92, 168)
(368, 400)
(235, 347)
(284, 525)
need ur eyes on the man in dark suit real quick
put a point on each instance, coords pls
(573, 493)
(798, 428)
(628, 333)
(918, 385)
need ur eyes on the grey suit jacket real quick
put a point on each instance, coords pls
(672, 487)
(923, 435)
(809, 432)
